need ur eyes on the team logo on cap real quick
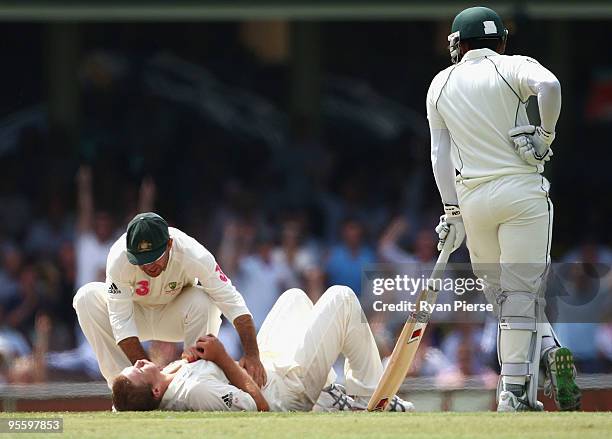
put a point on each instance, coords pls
(144, 246)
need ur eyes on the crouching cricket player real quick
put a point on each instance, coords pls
(299, 342)
(161, 285)
(487, 161)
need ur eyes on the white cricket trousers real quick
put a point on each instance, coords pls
(508, 224)
(190, 315)
(313, 336)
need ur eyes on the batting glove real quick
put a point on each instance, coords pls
(451, 217)
(532, 143)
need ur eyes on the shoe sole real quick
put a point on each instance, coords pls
(567, 394)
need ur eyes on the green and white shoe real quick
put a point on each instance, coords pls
(509, 402)
(560, 382)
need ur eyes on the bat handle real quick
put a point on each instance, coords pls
(444, 254)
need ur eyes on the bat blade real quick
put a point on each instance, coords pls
(408, 342)
(399, 363)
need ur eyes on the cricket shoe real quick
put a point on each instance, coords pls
(333, 398)
(509, 402)
(396, 404)
(560, 382)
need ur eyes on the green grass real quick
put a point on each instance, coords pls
(487, 425)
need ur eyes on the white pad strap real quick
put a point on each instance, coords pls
(516, 369)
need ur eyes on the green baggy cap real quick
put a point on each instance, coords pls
(147, 238)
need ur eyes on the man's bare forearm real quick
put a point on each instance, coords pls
(238, 377)
(133, 349)
(248, 336)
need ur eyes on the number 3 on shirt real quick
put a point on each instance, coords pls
(143, 288)
(222, 275)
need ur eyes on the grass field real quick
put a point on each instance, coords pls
(326, 425)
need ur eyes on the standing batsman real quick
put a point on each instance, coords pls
(161, 284)
(487, 161)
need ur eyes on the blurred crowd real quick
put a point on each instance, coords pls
(46, 259)
(310, 210)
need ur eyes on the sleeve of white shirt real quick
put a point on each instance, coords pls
(441, 162)
(218, 286)
(120, 304)
(533, 79)
(214, 395)
(433, 116)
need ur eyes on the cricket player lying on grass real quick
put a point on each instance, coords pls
(299, 342)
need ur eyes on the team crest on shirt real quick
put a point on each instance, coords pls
(173, 287)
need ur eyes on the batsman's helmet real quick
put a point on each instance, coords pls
(477, 23)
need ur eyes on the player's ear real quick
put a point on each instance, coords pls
(157, 393)
(463, 48)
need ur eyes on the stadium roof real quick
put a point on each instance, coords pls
(198, 10)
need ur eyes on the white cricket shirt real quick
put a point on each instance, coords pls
(478, 101)
(202, 386)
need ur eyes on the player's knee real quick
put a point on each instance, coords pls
(201, 302)
(86, 295)
(199, 305)
(296, 294)
(518, 310)
(342, 292)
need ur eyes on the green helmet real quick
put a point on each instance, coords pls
(475, 23)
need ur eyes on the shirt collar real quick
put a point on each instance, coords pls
(478, 53)
(174, 388)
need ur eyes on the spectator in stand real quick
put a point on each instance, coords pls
(42, 365)
(292, 252)
(582, 304)
(20, 312)
(16, 210)
(415, 264)
(12, 342)
(237, 241)
(50, 230)
(424, 245)
(4, 368)
(590, 251)
(66, 261)
(261, 279)
(461, 348)
(314, 283)
(32, 368)
(347, 259)
(388, 245)
(54, 303)
(429, 360)
(95, 233)
(247, 254)
(9, 274)
(603, 341)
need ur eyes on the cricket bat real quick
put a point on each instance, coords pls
(410, 337)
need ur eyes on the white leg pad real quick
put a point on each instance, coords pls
(519, 341)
